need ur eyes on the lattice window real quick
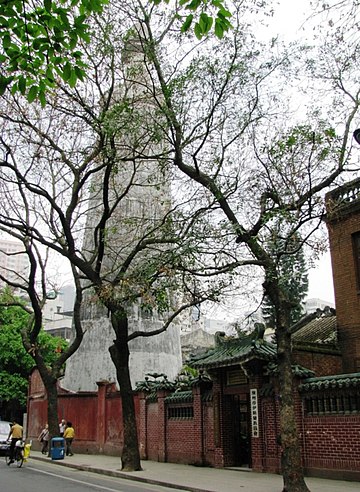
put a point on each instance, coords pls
(340, 404)
(180, 413)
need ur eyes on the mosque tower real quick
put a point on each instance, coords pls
(146, 201)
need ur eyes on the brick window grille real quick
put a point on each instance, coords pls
(180, 413)
(339, 404)
(356, 253)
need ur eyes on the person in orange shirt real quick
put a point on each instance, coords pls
(69, 435)
(16, 433)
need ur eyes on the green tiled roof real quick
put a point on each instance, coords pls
(232, 351)
(297, 370)
(319, 331)
(180, 397)
(319, 334)
(329, 382)
(235, 350)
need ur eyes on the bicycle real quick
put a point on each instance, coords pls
(18, 458)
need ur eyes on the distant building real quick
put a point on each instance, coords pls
(58, 312)
(311, 305)
(195, 342)
(14, 263)
(212, 325)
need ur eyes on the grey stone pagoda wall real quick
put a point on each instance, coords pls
(146, 202)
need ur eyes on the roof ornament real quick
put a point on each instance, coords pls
(219, 337)
(259, 331)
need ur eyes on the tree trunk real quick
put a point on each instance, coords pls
(291, 465)
(130, 456)
(50, 384)
(53, 420)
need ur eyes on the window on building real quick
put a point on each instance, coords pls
(180, 413)
(339, 403)
(356, 251)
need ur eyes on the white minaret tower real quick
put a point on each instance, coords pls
(143, 203)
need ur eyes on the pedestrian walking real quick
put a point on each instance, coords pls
(62, 426)
(69, 435)
(44, 437)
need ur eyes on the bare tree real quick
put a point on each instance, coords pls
(32, 289)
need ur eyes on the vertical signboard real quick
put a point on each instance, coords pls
(254, 412)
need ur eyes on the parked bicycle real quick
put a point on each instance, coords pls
(18, 458)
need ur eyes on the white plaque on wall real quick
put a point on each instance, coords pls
(254, 412)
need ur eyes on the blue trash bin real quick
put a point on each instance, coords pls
(57, 450)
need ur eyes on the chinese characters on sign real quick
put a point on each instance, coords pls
(254, 412)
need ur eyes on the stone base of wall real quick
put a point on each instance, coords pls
(353, 476)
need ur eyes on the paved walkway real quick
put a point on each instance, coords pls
(194, 479)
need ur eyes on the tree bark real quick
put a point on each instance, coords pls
(291, 463)
(119, 352)
(50, 384)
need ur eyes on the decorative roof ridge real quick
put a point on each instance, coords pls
(331, 382)
(319, 314)
(180, 397)
(351, 375)
(235, 349)
(244, 339)
(297, 370)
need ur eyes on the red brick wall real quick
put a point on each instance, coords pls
(114, 437)
(152, 431)
(332, 444)
(209, 446)
(321, 364)
(82, 410)
(270, 432)
(347, 297)
(182, 443)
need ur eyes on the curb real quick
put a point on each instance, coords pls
(120, 474)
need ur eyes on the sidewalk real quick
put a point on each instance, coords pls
(191, 478)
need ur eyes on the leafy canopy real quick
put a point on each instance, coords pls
(38, 42)
(293, 274)
(203, 16)
(15, 363)
(39, 39)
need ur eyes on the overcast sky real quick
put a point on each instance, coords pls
(321, 281)
(291, 21)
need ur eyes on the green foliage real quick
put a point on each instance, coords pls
(50, 347)
(292, 273)
(205, 14)
(13, 387)
(39, 42)
(303, 136)
(16, 364)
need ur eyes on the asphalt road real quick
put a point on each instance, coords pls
(44, 477)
